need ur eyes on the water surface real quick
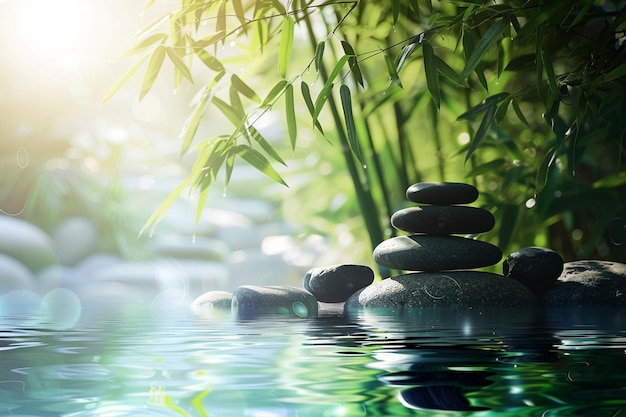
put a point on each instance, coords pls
(419, 363)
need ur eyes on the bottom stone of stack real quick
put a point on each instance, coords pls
(442, 289)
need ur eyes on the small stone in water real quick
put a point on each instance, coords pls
(537, 268)
(250, 301)
(334, 284)
(212, 301)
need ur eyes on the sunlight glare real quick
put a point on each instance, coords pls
(55, 30)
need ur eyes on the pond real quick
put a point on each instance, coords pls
(422, 362)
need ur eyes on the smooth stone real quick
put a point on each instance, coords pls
(537, 268)
(250, 301)
(443, 220)
(14, 275)
(74, 239)
(27, 243)
(211, 302)
(334, 284)
(442, 289)
(435, 253)
(589, 283)
(442, 193)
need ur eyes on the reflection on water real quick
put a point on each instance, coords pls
(425, 363)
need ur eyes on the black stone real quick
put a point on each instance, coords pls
(442, 193)
(435, 253)
(442, 289)
(443, 220)
(334, 284)
(250, 301)
(535, 267)
(589, 283)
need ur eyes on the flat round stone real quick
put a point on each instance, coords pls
(251, 301)
(334, 284)
(443, 220)
(442, 193)
(435, 253)
(442, 289)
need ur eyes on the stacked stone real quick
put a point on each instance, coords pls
(433, 222)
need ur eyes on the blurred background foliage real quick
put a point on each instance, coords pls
(524, 99)
(348, 103)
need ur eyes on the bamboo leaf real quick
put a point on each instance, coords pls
(204, 192)
(486, 104)
(154, 67)
(393, 73)
(123, 79)
(486, 41)
(286, 44)
(336, 70)
(395, 10)
(518, 112)
(321, 100)
(432, 75)
(192, 123)
(146, 42)
(231, 114)
(265, 145)
(159, 213)
(178, 63)
(290, 110)
(235, 101)
(220, 22)
(244, 88)
(446, 70)
(258, 161)
(306, 95)
(239, 12)
(209, 60)
(414, 44)
(482, 131)
(277, 89)
(549, 69)
(319, 55)
(353, 139)
(279, 7)
(353, 62)
(209, 40)
(582, 13)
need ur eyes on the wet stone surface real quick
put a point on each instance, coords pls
(537, 268)
(442, 193)
(435, 253)
(443, 220)
(589, 283)
(334, 284)
(443, 289)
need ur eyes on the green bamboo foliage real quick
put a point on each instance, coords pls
(534, 85)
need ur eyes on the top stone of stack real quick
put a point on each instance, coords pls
(442, 193)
